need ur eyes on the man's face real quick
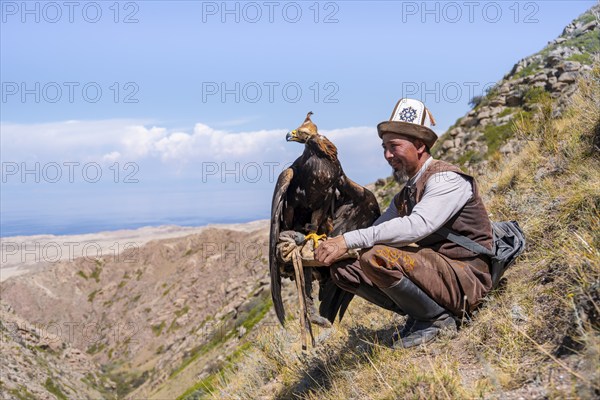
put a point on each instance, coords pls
(402, 154)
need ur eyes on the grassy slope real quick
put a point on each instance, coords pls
(538, 337)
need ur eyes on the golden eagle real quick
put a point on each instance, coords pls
(315, 197)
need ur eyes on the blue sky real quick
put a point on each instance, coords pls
(190, 101)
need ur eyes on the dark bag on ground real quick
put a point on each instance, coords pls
(508, 241)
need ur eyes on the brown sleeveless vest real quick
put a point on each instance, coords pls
(471, 221)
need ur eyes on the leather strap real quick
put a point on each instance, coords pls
(463, 241)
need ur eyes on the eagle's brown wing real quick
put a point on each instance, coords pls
(355, 208)
(277, 208)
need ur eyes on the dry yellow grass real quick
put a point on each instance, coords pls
(538, 337)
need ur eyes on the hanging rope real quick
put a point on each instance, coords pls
(301, 288)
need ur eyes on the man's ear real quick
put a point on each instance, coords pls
(420, 146)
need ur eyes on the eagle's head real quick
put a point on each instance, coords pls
(304, 132)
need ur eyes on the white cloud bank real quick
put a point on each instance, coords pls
(107, 141)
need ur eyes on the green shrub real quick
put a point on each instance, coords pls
(496, 136)
(157, 329)
(535, 95)
(92, 295)
(54, 389)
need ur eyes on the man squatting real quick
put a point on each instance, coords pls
(436, 282)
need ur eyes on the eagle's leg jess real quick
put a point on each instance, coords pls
(311, 308)
(313, 227)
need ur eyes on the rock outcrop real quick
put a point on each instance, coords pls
(551, 73)
(38, 363)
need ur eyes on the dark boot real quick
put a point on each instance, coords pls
(406, 329)
(430, 318)
(377, 297)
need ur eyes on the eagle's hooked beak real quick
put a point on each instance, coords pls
(291, 136)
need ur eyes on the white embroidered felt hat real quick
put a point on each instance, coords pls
(410, 118)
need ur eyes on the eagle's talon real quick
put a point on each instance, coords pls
(315, 238)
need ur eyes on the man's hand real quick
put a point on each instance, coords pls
(330, 250)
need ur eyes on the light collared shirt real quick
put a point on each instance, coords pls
(444, 195)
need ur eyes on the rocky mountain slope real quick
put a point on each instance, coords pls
(136, 320)
(550, 72)
(38, 364)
